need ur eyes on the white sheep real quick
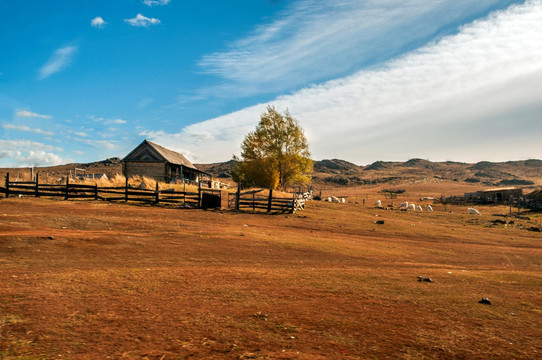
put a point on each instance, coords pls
(473, 211)
(328, 199)
(403, 205)
(429, 208)
(343, 200)
(411, 207)
(378, 203)
(419, 208)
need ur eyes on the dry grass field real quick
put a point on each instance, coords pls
(93, 280)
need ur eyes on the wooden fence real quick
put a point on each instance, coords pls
(512, 202)
(249, 200)
(203, 198)
(207, 198)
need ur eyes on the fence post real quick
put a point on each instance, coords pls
(67, 184)
(126, 190)
(269, 200)
(95, 191)
(184, 191)
(237, 195)
(293, 203)
(37, 184)
(7, 185)
(157, 194)
(199, 194)
(253, 201)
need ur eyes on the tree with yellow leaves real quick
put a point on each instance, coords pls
(275, 155)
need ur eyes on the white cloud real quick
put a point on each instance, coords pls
(25, 113)
(142, 21)
(80, 133)
(98, 22)
(471, 96)
(28, 153)
(60, 59)
(156, 2)
(119, 121)
(39, 158)
(26, 128)
(314, 40)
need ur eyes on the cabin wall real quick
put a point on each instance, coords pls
(155, 170)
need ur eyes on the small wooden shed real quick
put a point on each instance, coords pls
(155, 161)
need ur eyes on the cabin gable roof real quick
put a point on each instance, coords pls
(149, 151)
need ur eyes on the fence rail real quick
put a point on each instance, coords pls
(125, 193)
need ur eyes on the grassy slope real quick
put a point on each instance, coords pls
(142, 282)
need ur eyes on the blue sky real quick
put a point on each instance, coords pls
(369, 80)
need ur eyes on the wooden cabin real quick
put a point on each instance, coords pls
(155, 161)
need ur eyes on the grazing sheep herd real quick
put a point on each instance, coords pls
(408, 206)
(335, 199)
(403, 206)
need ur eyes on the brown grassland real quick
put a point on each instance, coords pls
(93, 280)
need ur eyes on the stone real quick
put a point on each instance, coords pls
(484, 301)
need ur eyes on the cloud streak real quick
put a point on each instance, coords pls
(453, 99)
(26, 113)
(316, 40)
(58, 61)
(151, 3)
(26, 128)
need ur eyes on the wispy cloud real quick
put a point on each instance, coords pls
(98, 22)
(470, 96)
(95, 118)
(98, 144)
(315, 40)
(60, 59)
(143, 103)
(26, 145)
(100, 119)
(26, 128)
(142, 21)
(156, 2)
(26, 113)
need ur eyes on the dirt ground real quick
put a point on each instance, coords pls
(93, 280)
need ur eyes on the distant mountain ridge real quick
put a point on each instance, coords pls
(342, 172)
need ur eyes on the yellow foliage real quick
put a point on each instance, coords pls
(276, 154)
